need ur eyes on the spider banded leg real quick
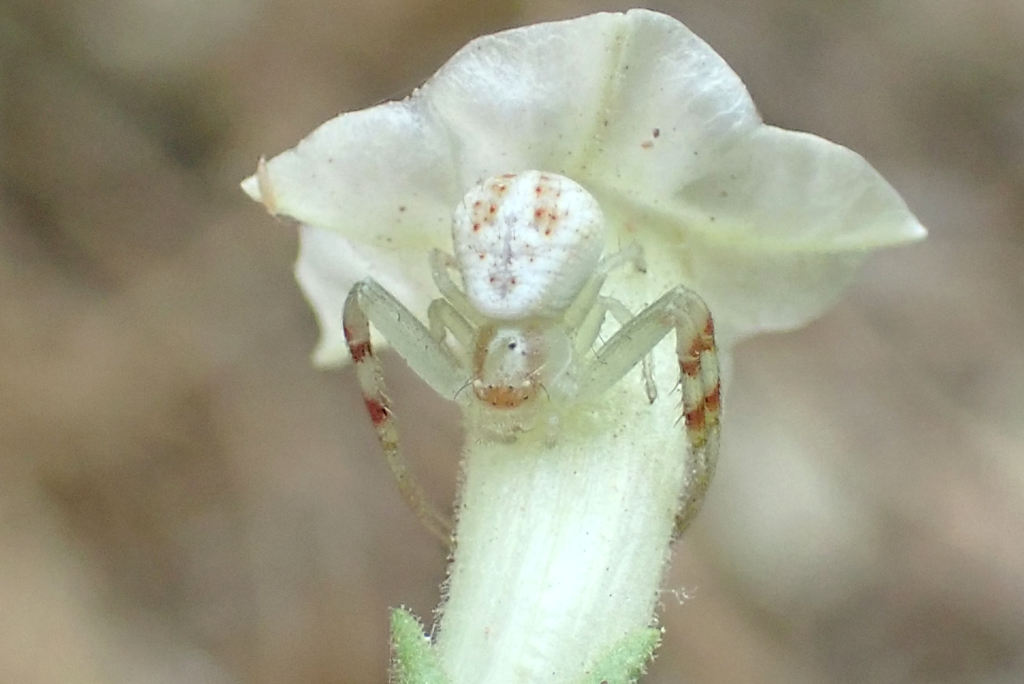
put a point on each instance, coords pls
(683, 311)
(368, 303)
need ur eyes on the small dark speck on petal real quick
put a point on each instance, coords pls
(401, 207)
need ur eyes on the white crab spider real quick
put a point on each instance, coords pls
(529, 249)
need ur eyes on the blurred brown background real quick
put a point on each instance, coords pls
(184, 499)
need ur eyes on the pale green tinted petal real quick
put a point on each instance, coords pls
(327, 267)
(750, 291)
(747, 289)
(581, 98)
(779, 226)
(771, 234)
(378, 185)
(782, 189)
(767, 225)
(325, 273)
(528, 98)
(672, 104)
(382, 176)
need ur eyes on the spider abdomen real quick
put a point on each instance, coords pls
(526, 243)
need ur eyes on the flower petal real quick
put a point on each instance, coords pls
(770, 235)
(581, 97)
(327, 267)
(767, 225)
(527, 98)
(779, 226)
(673, 103)
(383, 176)
(750, 292)
(780, 189)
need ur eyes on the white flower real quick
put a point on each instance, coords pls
(561, 549)
(767, 225)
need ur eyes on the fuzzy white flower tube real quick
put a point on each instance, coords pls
(562, 541)
(562, 546)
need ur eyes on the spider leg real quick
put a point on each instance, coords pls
(368, 303)
(441, 265)
(684, 312)
(445, 318)
(590, 328)
(580, 310)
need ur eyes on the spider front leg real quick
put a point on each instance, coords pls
(590, 329)
(588, 312)
(684, 312)
(368, 303)
(445, 318)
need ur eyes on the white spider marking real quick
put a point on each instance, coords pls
(528, 248)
